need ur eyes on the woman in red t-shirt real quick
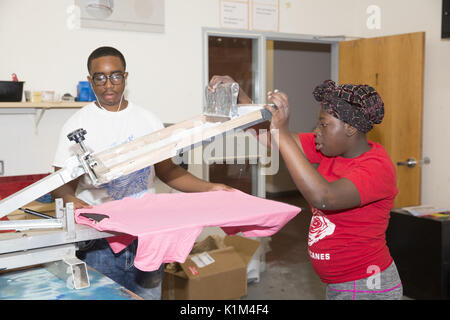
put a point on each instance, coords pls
(351, 192)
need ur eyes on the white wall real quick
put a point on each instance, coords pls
(166, 69)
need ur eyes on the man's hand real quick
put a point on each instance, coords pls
(217, 80)
(243, 98)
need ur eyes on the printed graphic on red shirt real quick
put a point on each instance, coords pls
(320, 227)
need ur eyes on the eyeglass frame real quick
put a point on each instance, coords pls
(109, 77)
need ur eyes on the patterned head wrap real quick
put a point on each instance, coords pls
(358, 105)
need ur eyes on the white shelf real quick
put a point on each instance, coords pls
(41, 105)
(37, 108)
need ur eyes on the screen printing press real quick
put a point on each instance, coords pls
(52, 241)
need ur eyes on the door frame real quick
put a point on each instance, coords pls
(259, 55)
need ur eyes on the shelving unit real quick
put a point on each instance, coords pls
(41, 105)
(37, 108)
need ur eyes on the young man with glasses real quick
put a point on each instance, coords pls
(109, 121)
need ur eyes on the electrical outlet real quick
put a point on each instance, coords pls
(2, 168)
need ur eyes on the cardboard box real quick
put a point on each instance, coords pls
(216, 269)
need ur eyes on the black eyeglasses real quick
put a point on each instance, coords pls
(100, 79)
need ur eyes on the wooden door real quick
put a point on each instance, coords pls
(394, 66)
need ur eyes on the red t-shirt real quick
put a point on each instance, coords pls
(350, 244)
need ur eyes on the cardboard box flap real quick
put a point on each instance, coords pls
(211, 242)
(174, 268)
(224, 260)
(245, 247)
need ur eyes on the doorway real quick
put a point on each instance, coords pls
(261, 62)
(233, 56)
(296, 68)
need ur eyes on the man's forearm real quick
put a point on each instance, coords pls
(183, 181)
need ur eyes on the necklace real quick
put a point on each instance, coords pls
(120, 103)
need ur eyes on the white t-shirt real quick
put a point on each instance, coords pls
(107, 129)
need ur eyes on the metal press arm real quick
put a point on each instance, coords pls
(72, 170)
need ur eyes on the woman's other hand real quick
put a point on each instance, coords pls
(280, 114)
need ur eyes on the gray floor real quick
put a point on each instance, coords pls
(289, 274)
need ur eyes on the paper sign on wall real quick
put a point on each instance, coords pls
(234, 14)
(245, 14)
(265, 15)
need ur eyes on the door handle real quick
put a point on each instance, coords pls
(411, 162)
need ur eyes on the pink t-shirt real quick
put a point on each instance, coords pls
(346, 245)
(167, 225)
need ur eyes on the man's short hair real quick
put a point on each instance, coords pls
(104, 52)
